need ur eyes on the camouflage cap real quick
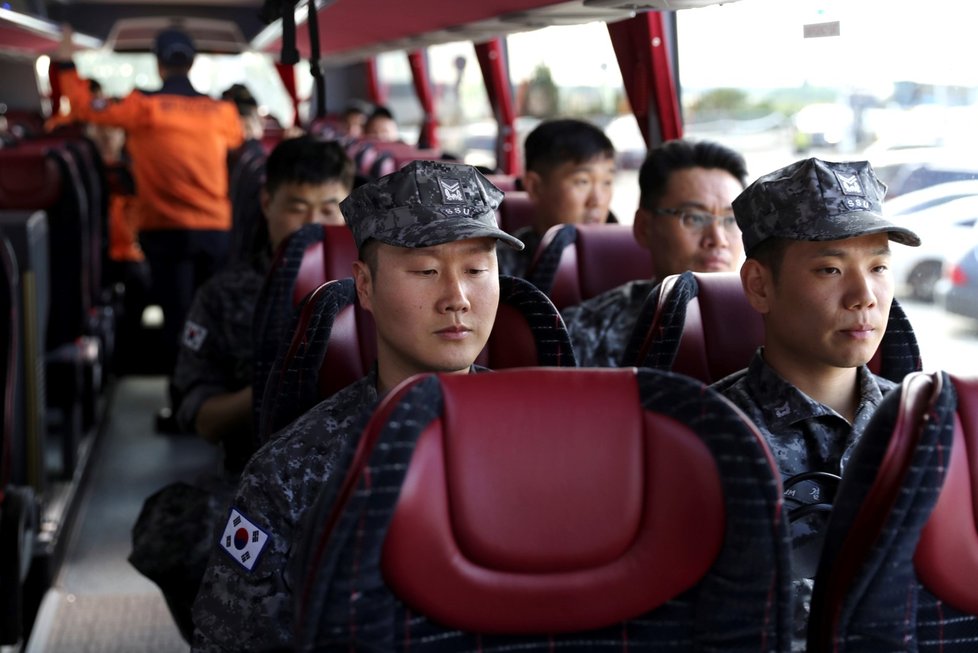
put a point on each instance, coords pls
(816, 200)
(426, 203)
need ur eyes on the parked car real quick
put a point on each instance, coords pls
(930, 197)
(910, 169)
(945, 231)
(958, 290)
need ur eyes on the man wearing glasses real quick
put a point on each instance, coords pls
(685, 219)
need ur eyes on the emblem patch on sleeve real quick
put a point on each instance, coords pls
(193, 335)
(242, 540)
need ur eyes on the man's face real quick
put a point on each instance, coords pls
(293, 205)
(676, 247)
(829, 305)
(572, 193)
(434, 307)
(381, 129)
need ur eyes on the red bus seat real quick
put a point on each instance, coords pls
(549, 509)
(307, 259)
(899, 571)
(515, 211)
(578, 262)
(700, 324)
(333, 343)
(18, 518)
(505, 183)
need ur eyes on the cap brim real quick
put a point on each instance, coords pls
(864, 223)
(447, 230)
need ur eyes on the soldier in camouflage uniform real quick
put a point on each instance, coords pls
(570, 173)
(685, 220)
(817, 270)
(427, 272)
(306, 179)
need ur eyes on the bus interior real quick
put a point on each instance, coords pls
(882, 80)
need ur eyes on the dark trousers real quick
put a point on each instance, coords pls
(180, 260)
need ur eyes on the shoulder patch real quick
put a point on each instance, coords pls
(242, 540)
(194, 335)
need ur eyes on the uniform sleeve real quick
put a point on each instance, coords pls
(204, 367)
(244, 602)
(129, 113)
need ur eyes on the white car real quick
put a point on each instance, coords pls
(945, 232)
(929, 197)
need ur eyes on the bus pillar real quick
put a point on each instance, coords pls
(641, 47)
(428, 139)
(495, 73)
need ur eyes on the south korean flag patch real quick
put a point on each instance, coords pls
(242, 540)
(193, 336)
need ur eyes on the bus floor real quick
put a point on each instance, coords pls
(98, 602)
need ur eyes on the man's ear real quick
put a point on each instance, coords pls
(758, 285)
(264, 200)
(532, 183)
(364, 284)
(640, 227)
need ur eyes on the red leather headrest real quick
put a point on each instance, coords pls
(603, 257)
(946, 559)
(351, 352)
(29, 179)
(511, 343)
(519, 517)
(505, 183)
(332, 258)
(515, 211)
(722, 330)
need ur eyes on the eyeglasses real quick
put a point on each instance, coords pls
(700, 221)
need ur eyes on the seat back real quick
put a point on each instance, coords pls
(334, 343)
(246, 176)
(899, 572)
(46, 177)
(9, 347)
(309, 258)
(578, 262)
(700, 324)
(665, 498)
(515, 211)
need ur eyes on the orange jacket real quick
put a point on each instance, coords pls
(178, 140)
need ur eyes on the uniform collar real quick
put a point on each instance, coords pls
(786, 405)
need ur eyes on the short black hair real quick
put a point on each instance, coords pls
(680, 154)
(380, 111)
(770, 253)
(554, 142)
(307, 160)
(243, 99)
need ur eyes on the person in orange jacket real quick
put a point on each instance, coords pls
(178, 140)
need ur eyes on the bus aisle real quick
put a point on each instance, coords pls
(98, 601)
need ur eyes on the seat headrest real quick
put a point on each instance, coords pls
(946, 559)
(29, 179)
(722, 329)
(509, 509)
(597, 259)
(515, 211)
(325, 259)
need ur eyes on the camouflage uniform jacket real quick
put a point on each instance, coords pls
(248, 605)
(804, 435)
(216, 346)
(600, 327)
(517, 263)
